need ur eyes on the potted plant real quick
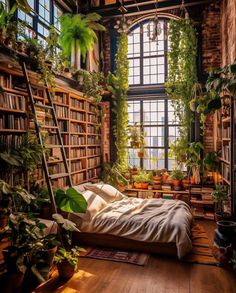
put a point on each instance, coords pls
(164, 174)
(78, 35)
(67, 261)
(185, 183)
(177, 175)
(112, 174)
(134, 135)
(219, 196)
(5, 204)
(142, 180)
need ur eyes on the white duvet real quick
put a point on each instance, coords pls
(149, 220)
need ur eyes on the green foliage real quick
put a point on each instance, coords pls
(219, 194)
(23, 5)
(69, 256)
(142, 177)
(177, 174)
(178, 150)
(78, 33)
(136, 136)
(112, 174)
(118, 85)
(91, 84)
(182, 72)
(5, 16)
(211, 161)
(70, 201)
(194, 154)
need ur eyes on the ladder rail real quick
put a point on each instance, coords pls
(59, 134)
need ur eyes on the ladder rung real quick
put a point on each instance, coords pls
(49, 126)
(43, 106)
(60, 175)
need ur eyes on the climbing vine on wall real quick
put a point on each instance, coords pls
(182, 70)
(118, 85)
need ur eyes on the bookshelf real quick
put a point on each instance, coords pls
(225, 144)
(78, 118)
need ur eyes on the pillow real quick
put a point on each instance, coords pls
(106, 191)
(95, 204)
(80, 188)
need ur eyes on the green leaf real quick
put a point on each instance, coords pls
(213, 105)
(70, 201)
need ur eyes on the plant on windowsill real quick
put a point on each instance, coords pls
(142, 180)
(177, 176)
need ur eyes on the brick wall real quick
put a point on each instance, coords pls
(228, 28)
(105, 106)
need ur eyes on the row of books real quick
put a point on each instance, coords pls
(94, 172)
(92, 108)
(76, 127)
(75, 103)
(226, 132)
(60, 182)
(77, 166)
(79, 177)
(10, 140)
(201, 213)
(93, 140)
(93, 118)
(6, 80)
(226, 152)
(77, 152)
(15, 102)
(61, 98)
(93, 129)
(64, 125)
(62, 112)
(57, 168)
(9, 121)
(207, 197)
(91, 151)
(94, 162)
(77, 116)
(78, 140)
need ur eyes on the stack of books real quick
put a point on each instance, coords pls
(166, 187)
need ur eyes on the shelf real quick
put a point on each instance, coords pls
(12, 110)
(63, 118)
(226, 181)
(226, 120)
(78, 171)
(78, 158)
(202, 202)
(77, 109)
(79, 133)
(13, 130)
(92, 156)
(59, 104)
(159, 190)
(77, 121)
(19, 92)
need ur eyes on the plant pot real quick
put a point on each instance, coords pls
(46, 211)
(185, 183)
(192, 180)
(15, 282)
(176, 182)
(156, 178)
(134, 145)
(65, 270)
(3, 222)
(140, 154)
(144, 185)
(137, 185)
(220, 216)
(49, 255)
(164, 178)
(134, 172)
(227, 227)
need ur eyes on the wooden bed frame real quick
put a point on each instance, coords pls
(110, 241)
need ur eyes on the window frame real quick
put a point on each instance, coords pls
(142, 56)
(166, 125)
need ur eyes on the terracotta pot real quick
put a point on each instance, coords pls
(165, 177)
(140, 154)
(134, 172)
(3, 222)
(65, 270)
(144, 185)
(137, 185)
(192, 180)
(156, 178)
(176, 182)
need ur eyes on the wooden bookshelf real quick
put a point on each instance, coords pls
(78, 120)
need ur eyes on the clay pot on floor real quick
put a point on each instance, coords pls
(65, 270)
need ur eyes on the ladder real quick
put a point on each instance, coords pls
(56, 127)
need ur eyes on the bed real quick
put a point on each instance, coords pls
(149, 225)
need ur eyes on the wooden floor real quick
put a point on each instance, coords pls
(160, 275)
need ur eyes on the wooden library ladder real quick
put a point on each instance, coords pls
(56, 127)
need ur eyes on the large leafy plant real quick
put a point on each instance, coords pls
(118, 85)
(70, 256)
(78, 34)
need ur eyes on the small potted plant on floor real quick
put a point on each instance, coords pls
(177, 175)
(67, 261)
(219, 196)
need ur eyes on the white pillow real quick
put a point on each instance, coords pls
(80, 188)
(95, 204)
(106, 191)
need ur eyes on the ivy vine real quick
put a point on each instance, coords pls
(118, 85)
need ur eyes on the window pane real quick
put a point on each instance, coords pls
(154, 159)
(133, 158)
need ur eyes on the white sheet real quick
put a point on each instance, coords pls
(150, 220)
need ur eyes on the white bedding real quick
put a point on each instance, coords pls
(150, 220)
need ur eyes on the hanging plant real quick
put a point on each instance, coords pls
(118, 85)
(78, 35)
(182, 71)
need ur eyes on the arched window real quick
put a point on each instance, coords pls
(149, 106)
(147, 58)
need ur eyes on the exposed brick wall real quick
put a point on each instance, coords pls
(105, 131)
(228, 28)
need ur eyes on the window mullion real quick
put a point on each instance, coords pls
(141, 54)
(166, 133)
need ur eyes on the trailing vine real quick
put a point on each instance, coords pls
(182, 72)
(118, 85)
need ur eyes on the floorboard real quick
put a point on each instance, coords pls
(160, 275)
